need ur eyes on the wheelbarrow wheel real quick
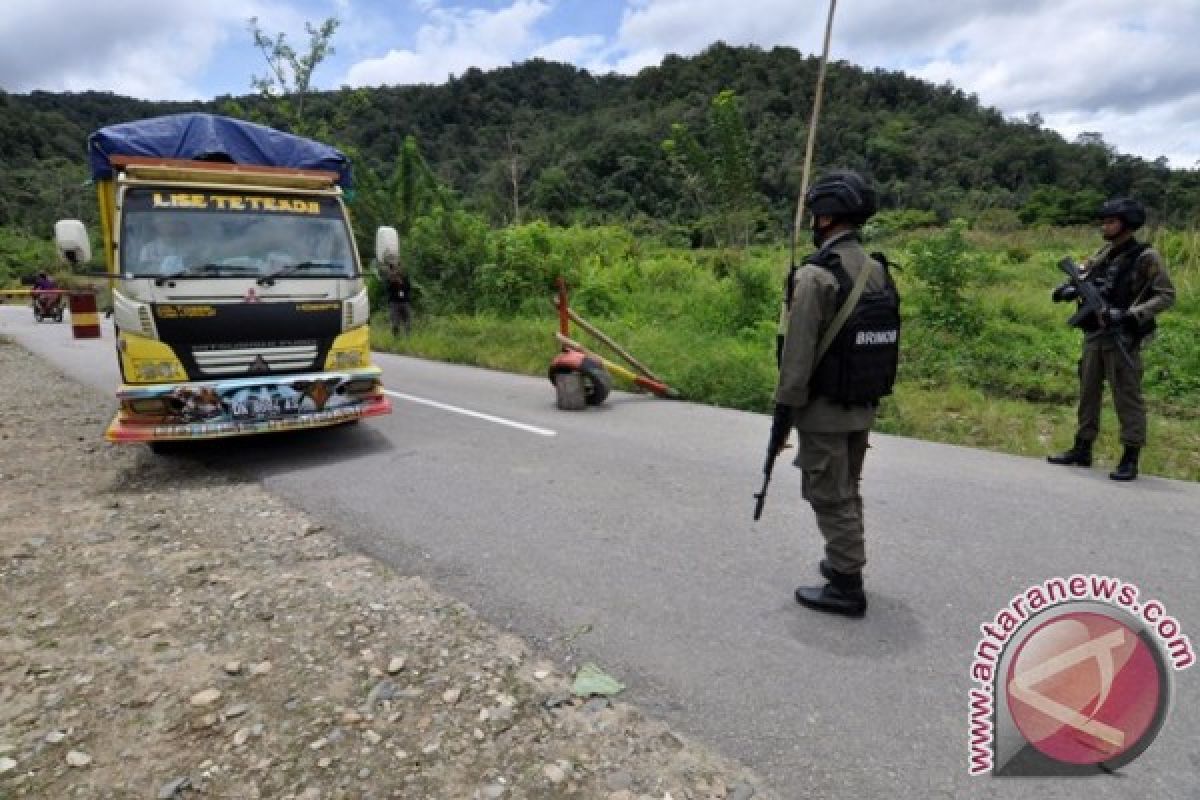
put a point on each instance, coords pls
(597, 383)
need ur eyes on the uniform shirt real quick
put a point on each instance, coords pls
(1151, 289)
(814, 304)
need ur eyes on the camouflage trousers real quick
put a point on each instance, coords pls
(1102, 362)
(832, 466)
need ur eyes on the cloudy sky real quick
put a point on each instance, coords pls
(1127, 69)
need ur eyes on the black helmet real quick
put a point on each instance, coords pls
(1126, 209)
(844, 194)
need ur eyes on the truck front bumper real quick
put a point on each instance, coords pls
(245, 406)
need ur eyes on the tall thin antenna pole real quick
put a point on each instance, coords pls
(812, 125)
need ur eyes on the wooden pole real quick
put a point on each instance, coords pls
(564, 324)
(806, 170)
(812, 126)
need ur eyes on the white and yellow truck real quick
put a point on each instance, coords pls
(237, 290)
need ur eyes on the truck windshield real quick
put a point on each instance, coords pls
(216, 234)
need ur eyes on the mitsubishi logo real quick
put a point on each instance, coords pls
(251, 296)
(259, 366)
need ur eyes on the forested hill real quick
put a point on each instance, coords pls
(590, 147)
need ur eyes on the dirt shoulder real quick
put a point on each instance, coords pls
(171, 632)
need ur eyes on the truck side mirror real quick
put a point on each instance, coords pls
(71, 239)
(387, 245)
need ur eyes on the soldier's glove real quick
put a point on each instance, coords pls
(1131, 323)
(1116, 317)
(1064, 293)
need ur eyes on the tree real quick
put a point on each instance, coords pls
(552, 192)
(414, 190)
(515, 170)
(290, 75)
(719, 172)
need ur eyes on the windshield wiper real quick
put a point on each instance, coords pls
(197, 270)
(269, 278)
(194, 269)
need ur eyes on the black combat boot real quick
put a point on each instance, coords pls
(1080, 455)
(1127, 467)
(842, 595)
(827, 572)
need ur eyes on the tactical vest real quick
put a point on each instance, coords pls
(1115, 281)
(859, 368)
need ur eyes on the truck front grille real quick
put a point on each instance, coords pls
(255, 361)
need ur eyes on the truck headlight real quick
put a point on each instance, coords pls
(347, 359)
(156, 370)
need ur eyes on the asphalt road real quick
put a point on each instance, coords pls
(623, 535)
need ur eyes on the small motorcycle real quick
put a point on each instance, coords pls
(48, 306)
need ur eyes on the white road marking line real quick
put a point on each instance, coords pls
(469, 413)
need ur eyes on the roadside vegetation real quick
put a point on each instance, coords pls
(987, 360)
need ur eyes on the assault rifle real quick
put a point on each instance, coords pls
(781, 428)
(1092, 302)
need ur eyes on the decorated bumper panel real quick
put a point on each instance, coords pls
(248, 406)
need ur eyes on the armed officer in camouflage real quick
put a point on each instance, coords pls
(1133, 281)
(833, 426)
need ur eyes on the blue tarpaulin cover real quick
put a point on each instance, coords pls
(197, 135)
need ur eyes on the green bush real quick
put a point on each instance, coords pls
(1017, 254)
(22, 255)
(945, 267)
(445, 251)
(1051, 205)
(997, 220)
(908, 219)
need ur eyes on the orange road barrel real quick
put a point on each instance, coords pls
(85, 321)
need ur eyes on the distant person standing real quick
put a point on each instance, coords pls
(838, 360)
(399, 297)
(1133, 281)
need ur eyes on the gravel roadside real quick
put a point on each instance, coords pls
(167, 631)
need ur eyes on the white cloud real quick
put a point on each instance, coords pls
(572, 49)
(687, 26)
(455, 40)
(141, 48)
(1119, 60)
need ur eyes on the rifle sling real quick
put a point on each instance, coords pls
(844, 312)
